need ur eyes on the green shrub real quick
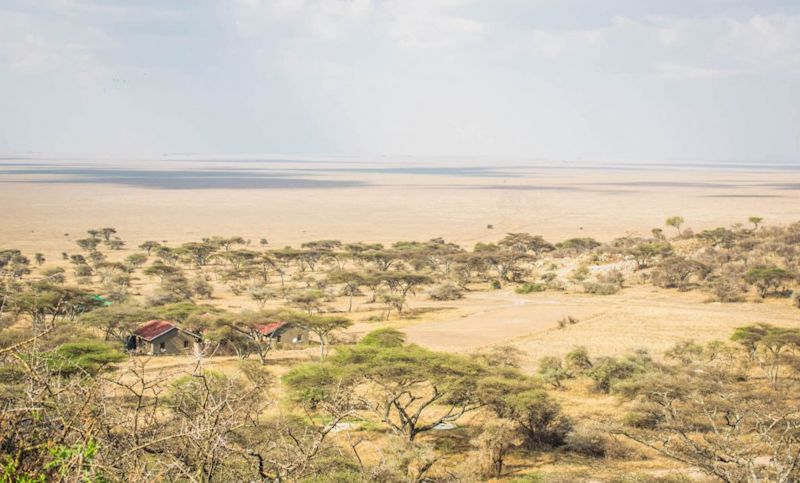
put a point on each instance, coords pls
(446, 291)
(84, 356)
(607, 371)
(552, 371)
(601, 288)
(530, 288)
(384, 337)
(577, 360)
(539, 417)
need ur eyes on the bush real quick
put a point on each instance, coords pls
(727, 289)
(600, 288)
(552, 371)
(769, 280)
(640, 420)
(587, 442)
(577, 360)
(608, 370)
(446, 291)
(678, 272)
(578, 245)
(556, 285)
(202, 288)
(568, 320)
(494, 444)
(595, 443)
(495, 285)
(85, 356)
(539, 418)
(530, 288)
(613, 277)
(385, 337)
(579, 274)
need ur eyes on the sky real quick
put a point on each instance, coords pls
(584, 80)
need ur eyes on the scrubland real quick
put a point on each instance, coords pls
(670, 356)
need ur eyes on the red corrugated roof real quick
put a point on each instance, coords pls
(153, 329)
(271, 327)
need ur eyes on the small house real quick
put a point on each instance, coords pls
(285, 333)
(161, 337)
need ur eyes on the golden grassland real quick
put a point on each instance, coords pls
(48, 218)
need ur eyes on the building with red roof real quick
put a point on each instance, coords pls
(162, 337)
(285, 333)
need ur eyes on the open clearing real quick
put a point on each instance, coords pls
(639, 317)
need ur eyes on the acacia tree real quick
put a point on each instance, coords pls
(319, 325)
(237, 259)
(405, 282)
(675, 222)
(243, 332)
(226, 243)
(13, 265)
(504, 260)
(769, 279)
(705, 414)
(107, 232)
(118, 321)
(769, 346)
(677, 272)
(645, 252)
(260, 295)
(309, 300)
(382, 259)
(136, 260)
(411, 389)
(262, 266)
(523, 243)
(199, 253)
(148, 246)
(351, 280)
(88, 244)
(47, 304)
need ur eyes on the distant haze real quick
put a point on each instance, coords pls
(593, 80)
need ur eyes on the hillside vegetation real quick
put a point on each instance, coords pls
(76, 406)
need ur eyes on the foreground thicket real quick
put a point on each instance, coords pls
(376, 411)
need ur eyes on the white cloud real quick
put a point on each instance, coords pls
(682, 72)
(418, 76)
(764, 43)
(553, 44)
(427, 24)
(31, 47)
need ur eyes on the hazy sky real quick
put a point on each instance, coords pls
(557, 79)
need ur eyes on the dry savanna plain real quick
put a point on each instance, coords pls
(632, 290)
